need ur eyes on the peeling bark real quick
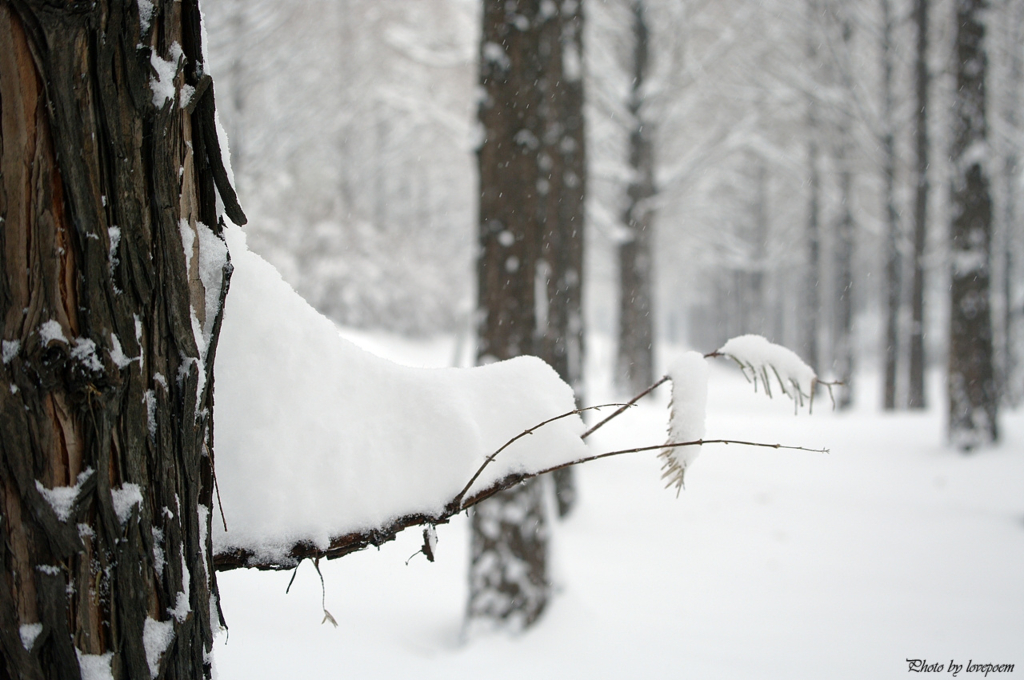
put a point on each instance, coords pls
(102, 179)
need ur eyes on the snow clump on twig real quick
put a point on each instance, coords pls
(760, 359)
(689, 375)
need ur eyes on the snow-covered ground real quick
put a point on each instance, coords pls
(770, 564)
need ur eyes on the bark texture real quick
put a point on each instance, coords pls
(972, 388)
(530, 267)
(635, 357)
(108, 206)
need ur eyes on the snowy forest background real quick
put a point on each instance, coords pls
(352, 126)
(352, 131)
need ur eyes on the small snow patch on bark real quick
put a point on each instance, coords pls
(10, 350)
(162, 84)
(62, 498)
(29, 632)
(95, 666)
(156, 637)
(51, 330)
(124, 498)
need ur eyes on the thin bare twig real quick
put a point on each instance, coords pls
(829, 386)
(292, 579)
(458, 499)
(349, 543)
(661, 381)
(698, 442)
(625, 406)
(220, 506)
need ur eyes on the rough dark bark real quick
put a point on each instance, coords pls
(915, 387)
(104, 386)
(530, 266)
(973, 393)
(893, 258)
(634, 369)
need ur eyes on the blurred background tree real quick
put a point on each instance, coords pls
(750, 167)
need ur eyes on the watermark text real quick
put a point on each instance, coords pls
(954, 668)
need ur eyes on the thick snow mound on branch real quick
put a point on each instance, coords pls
(316, 438)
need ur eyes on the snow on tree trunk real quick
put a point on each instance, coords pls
(973, 393)
(508, 578)
(530, 264)
(915, 388)
(112, 278)
(635, 358)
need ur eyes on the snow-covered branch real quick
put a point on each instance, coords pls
(323, 449)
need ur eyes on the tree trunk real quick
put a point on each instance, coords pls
(508, 578)
(1012, 386)
(915, 388)
(108, 205)
(758, 314)
(532, 184)
(563, 193)
(635, 359)
(973, 393)
(812, 279)
(893, 260)
(845, 235)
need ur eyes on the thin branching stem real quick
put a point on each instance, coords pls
(661, 381)
(626, 406)
(490, 458)
(343, 545)
(698, 442)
